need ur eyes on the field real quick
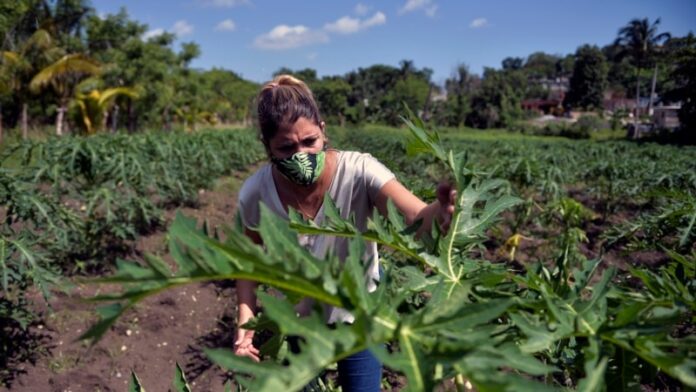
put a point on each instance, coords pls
(570, 265)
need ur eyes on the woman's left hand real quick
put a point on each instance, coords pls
(447, 197)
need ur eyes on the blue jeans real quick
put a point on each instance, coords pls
(360, 372)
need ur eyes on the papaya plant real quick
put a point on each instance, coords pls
(477, 321)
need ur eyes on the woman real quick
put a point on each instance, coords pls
(302, 170)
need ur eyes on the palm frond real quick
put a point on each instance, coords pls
(40, 40)
(10, 58)
(71, 64)
(108, 95)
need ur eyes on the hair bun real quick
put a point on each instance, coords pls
(288, 80)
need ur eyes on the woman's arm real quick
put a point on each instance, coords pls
(414, 208)
(246, 300)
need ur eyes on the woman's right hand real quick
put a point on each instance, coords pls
(243, 345)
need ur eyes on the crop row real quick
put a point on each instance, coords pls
(71, 205)
(650, 188)
(441, 312)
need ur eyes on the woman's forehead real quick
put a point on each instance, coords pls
(301, 129)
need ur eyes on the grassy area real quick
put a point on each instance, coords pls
(13, 136)
(479, 134)
(609, 134)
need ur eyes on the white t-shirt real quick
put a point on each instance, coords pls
(354, 188)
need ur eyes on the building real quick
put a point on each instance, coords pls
(666, 117)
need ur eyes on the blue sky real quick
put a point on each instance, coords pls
(256, 37)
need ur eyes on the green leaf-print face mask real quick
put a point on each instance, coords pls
(301, 168)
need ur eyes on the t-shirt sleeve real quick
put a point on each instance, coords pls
(375, 175)
(249, 205)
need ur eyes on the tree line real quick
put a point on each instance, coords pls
(64, 65)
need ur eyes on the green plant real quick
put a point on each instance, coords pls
(72, 205)
(499, 329)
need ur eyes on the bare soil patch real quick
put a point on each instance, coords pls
(174, 326)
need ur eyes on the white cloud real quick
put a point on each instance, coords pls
(414, 5)
(224, 3)
(288, 37)
(312, 56)
(478, 23)
(182, 28)
(226, 25)
(362, 9)
(152, 33)
(349, 25)
(377, 19)
(345, 25)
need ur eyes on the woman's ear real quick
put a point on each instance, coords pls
(267, 147)
(322, 126)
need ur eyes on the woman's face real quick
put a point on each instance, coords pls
(302, 136)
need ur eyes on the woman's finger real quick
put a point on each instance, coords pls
(443, 190)
(252, 355)
(248, 354)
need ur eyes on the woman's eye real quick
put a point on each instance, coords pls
(309, 142)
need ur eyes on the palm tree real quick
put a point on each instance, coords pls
(35, 30)
(458, 90)
(63, 76)
(406, 68)
(95, 105)
(8, 81)
(639, 40)
(37, 51)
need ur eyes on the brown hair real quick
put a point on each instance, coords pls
(283, 101)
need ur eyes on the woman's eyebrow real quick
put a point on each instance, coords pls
(290, 142)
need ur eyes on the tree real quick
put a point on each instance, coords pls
(106, 35)
(192, 98)
(540, 65)
(589, 78)
(412, 91)
(38, 32)
(8, 66)
(565, 66)
(639, 41)
(406, 68)
(67, 21)
(370, 87)
(498, 102)
(307, 75)
(233, 96)
(95, 105)
(34, 53)
(63, 76)
(150, 65)
(332, 94)
(459, 90)
(513, 63)
(683, 55)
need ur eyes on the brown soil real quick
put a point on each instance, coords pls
(174, 326)
(538, 239)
